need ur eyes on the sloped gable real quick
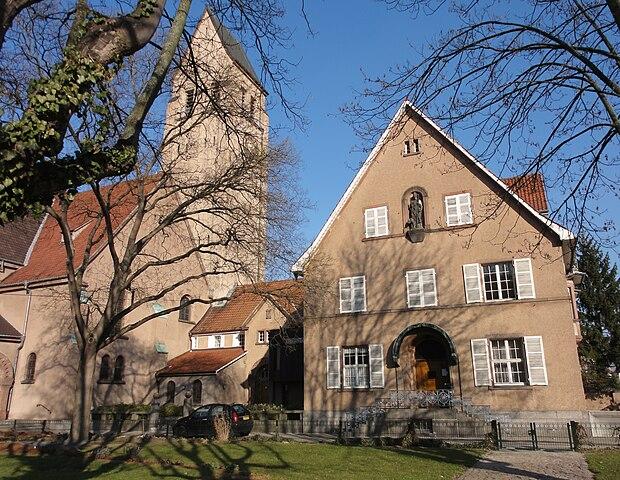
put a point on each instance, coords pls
(407, 108)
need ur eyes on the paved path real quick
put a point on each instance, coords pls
(527, 465)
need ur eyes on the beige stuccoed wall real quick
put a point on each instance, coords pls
(503, 235)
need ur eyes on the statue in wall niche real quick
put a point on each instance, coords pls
(415, 223)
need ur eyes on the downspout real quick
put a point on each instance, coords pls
(20, 346)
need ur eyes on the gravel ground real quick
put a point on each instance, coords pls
(518, 464)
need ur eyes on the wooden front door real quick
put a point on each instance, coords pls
(425, 377)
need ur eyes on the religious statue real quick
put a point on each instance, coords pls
(415, 223)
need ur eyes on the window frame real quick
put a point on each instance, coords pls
(352, 296)
(118, 374)
(408, 283)
(217, 341)
(185, 311)
(31, 368)
(509, 361)
(512, 278)
(171, 392)
(355, 367)
(105, 361)
(265, 336)
(195, 383)
(457, 197)
(374, 211)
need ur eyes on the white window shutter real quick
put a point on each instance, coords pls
(535, 353)
(375, 354)
(429, 287)
(414, 289)
(346, 293)
(480, 360)
(382, 221)
(524, 278)
(465, 215)
(369, 217)
(473, 287)
(452, 211)
(333, 367)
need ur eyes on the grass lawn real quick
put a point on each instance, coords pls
(258, 460)
(605, 464)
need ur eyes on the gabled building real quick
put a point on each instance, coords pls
(230, 360)
(440, 282)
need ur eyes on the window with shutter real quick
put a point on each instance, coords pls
(480, 360)
(376, 366)
(473, 287)
(355, 367)
(352, 294)
(524, 278)
(421, 288)
(536, 367)
(376, 222)
(499, 281)
(458, 209)
(333, 367)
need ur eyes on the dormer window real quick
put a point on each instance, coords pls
(411, 146)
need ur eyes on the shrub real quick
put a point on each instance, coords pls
(122, 408)
(268, 409)
(221, 425)
(171, 410)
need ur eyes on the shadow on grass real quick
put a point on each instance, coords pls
(193, 458)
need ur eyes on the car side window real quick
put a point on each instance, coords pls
(201, 413)
(217, 410)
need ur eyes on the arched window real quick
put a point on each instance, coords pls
(104, 369)
(184, 309)
(31, 366)
(170, 392)
(197, 392)
(119, 369)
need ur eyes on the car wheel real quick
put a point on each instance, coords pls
(180, 431)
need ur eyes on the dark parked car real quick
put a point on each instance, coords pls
(200, 423)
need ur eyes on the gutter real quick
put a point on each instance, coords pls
(20, 346)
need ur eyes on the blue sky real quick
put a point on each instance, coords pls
(350, 36)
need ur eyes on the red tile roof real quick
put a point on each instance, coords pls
(531, 188)
(16, 238)
(7, 330)
(201, 361)
(244, 302)
(48, 256)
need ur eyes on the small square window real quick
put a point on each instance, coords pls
(217, 340)
(268, 314)
(263, 336)
(411, 146)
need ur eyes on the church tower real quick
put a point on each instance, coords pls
(215, 119)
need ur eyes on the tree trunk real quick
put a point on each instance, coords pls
(83, 401)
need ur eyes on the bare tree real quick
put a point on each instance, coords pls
(149, 237)
(59, 62)
(536, 84)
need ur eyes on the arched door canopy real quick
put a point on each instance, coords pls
(411, 329)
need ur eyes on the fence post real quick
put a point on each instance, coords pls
(570, 437)
(495, 433)
(574, 429)
(533, 435)
(43, 426)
